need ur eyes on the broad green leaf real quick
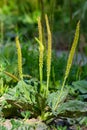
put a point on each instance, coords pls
(81, 86)
(72, 108)
(53, 99)
(21, 92)
(23, 96)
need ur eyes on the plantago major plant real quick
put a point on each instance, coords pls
(43, 104)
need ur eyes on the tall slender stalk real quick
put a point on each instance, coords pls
(48, 53)
(41, 50)
(19, 58)
(69, 62)
(42, 8)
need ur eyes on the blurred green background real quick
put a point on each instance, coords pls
(19, 17)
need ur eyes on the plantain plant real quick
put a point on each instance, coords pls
(34, 96)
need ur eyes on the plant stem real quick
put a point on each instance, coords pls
(48, 53)
(11, 75)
